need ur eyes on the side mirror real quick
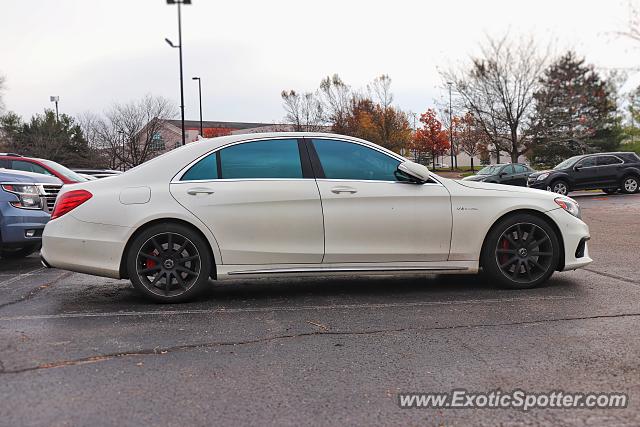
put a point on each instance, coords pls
(502, 174)
(576, 168)
(417, 172)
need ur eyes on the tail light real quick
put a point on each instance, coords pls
(69, 201)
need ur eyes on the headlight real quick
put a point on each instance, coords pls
(542, 176)
(28, 195)
(569, 205)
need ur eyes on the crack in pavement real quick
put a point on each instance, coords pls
(184, 347)
(270, 309)
(613, 276)
(36, 290)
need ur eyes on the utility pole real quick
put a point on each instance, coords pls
(55, 99)
(450, 123)
(179, 46)
(200, 98)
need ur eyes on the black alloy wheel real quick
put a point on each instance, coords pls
(169, 265)
(521, 252)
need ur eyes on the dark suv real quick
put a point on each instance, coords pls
(609, 172)
(510, 173)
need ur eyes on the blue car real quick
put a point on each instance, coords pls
(26, 200)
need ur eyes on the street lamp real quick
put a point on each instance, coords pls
(450, 84)
(200, 98)
(55, 99)
(179, 46)
(121, 133)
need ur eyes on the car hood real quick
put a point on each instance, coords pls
(10, 175)
(475, 177)
(501, 187)
(537, 173)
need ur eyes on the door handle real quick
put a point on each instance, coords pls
(199, 190)
(343, 189)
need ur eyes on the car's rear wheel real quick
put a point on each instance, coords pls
(560, 187)
(21, 252)
(521, 251)
(169, 263)
(629, 184)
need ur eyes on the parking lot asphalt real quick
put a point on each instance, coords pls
(81, 350)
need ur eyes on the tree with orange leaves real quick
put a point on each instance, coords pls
(430, 139)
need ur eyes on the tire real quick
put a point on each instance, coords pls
(610, 190)
(169, 263)
(560, 186)
(630, 184)
(14, 253)
(513, 260)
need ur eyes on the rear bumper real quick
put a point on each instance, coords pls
(14, 224)
(575, 234)
(85, 247)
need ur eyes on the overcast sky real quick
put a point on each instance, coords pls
(93, 52)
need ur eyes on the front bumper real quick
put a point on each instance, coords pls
(540, 185)
(15, 222)
(575, 234)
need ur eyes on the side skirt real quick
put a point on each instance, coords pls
(359, 269)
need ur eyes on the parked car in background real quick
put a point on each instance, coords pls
(609, 172)
(98, 173)
(41, 166)
(26, 200)
(441, 165)
(291, 204)
(504, 173)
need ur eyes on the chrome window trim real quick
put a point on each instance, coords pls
(184, 170)
(620, 161)
(177, 178)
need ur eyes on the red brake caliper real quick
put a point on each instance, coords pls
(151, 263)
(505, 245)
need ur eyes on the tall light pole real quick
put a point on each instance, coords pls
(121, 133)
(55, 99)
(179, 46)
(200, 98)
(450, 84)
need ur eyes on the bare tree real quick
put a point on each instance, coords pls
(337, 99)
(130, 133)
(303, 111)
(498, 88)
(633, 26)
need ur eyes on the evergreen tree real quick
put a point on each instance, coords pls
(575, 112)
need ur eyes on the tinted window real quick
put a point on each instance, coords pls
(206, 168)
(276, 158)
(507, 169)
(520, 168)
(608, 160)
(4, 164)
(588, 162)
(346, 160)
(28, 167)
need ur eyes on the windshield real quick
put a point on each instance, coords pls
(67, 173)
(489, 170)
(567, 163)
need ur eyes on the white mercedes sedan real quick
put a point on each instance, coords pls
(294, 204)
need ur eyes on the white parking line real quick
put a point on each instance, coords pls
(276, 309)
(21, 276)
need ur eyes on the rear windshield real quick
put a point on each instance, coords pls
(489, 170)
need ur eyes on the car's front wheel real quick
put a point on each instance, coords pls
(560, 187)
(169, 263)
(629, 184)
(521, 251)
